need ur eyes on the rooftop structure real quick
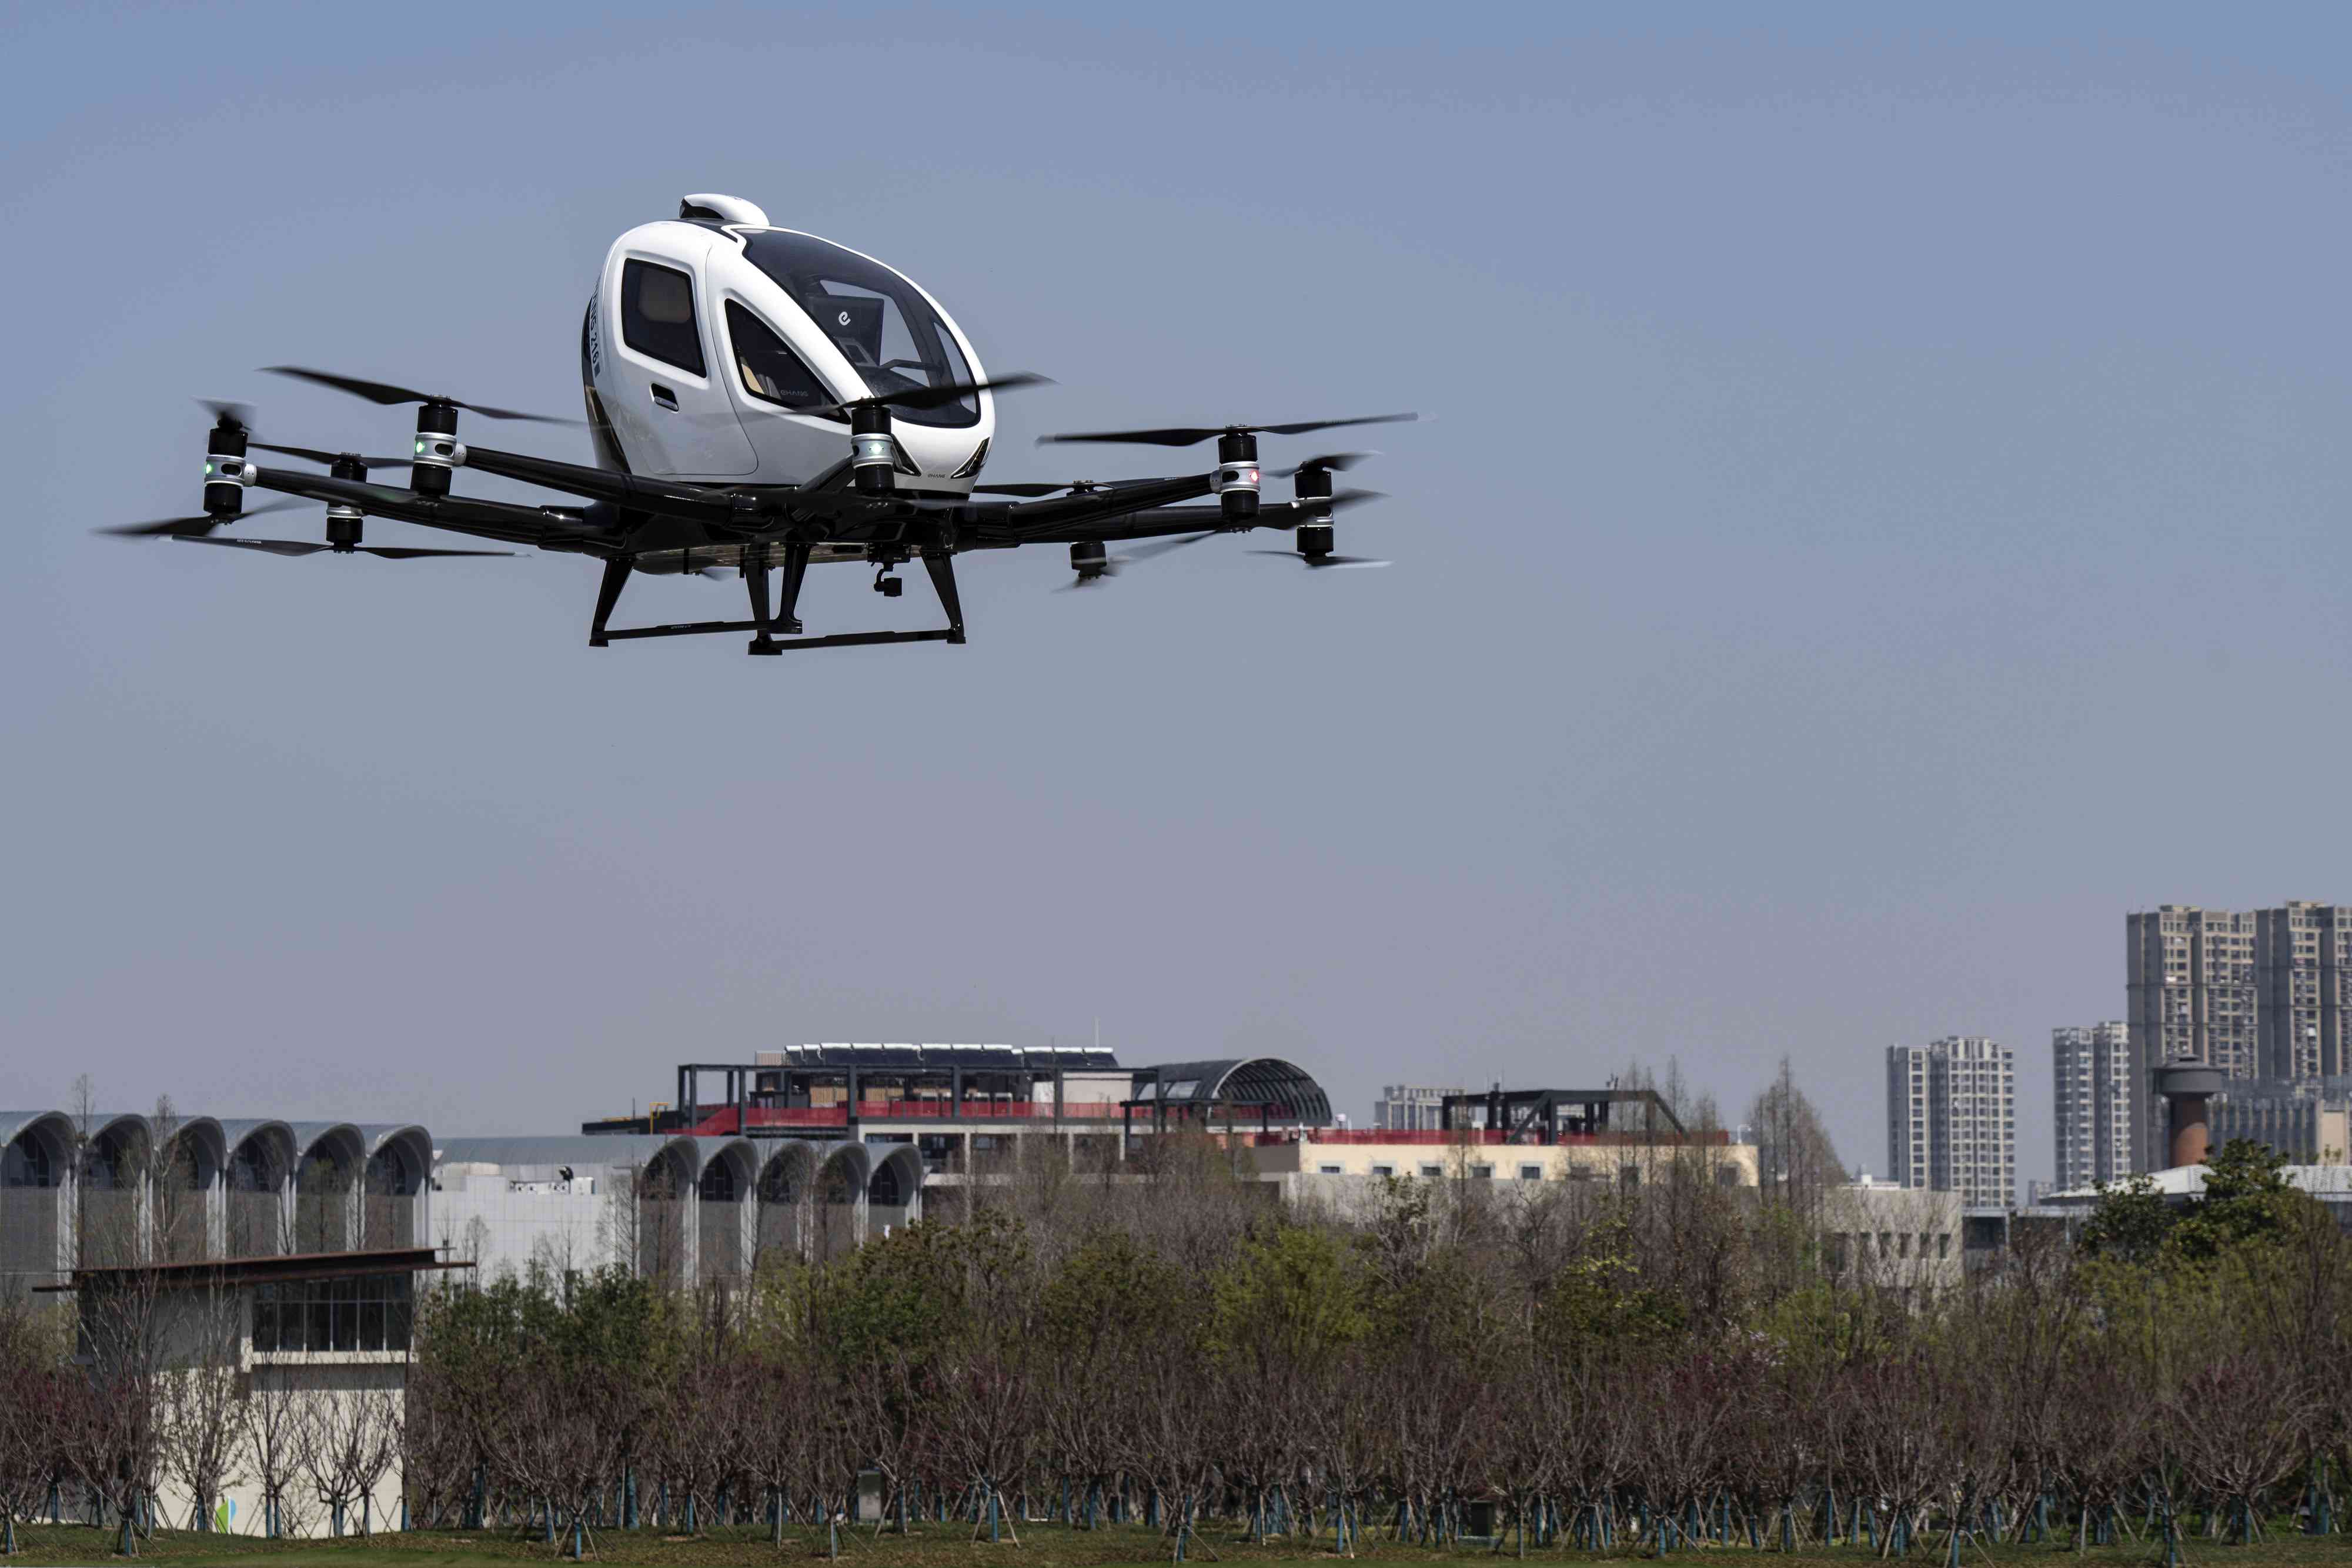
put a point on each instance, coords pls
(86, 1191)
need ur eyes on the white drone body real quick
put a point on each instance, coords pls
(709, 334)
(761, 401)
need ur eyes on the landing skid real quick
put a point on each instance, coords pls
(839, 640)
(764, 625)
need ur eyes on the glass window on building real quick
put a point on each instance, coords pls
(371, 1313)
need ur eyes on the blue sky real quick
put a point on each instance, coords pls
(1883, 520)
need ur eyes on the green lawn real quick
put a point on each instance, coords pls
(1044, 1546)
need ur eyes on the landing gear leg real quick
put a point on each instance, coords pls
(608, 594)
(796, 559)
(755, 576)
(940, 564)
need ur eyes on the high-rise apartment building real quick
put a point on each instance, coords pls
(2190, 977)
(1951, 1118)
(1906, 1115)
(2303, 972)
(2092, 1074)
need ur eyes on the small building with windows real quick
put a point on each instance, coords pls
(307, 1355)
(1879, 1234)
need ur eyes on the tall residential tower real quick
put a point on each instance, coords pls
(2091, 1070)
(1951, 1118)
(2303, 972)
(2190, 977)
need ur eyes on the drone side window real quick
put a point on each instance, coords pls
(770, 370)
(657, 316)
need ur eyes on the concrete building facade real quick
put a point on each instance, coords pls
(2090, 1068)
(1892, 1237)
(2303, 969)
(2191, 984)
(1906, 1116)
(2309, 1120)
(1951, 1118)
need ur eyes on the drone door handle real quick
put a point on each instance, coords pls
(665, 397)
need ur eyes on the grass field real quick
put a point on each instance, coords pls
(1042, 1546)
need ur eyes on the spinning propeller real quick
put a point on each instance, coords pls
(1300, 556)
(386, 393)
(312, 455)
(310, 547)
(926, 397)
(1093, 565)
(1236, 481)
(194, 528)
(226, 475)
(1193, 435)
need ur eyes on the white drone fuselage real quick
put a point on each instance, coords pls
(701, 334)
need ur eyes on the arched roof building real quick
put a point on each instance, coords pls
(1287, 1091)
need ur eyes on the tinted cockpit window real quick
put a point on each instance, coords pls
(880, 322)
(657, 315)
(770, 370)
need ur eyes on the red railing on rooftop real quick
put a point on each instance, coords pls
(1487, 1136)
(719, 1120)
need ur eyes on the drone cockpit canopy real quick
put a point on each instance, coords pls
(720, 348)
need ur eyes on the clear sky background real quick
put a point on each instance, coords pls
(1885, 518)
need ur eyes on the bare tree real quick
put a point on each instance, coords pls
(346, 1439)
(275, 1441)
(200, 1435)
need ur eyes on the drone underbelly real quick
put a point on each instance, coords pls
(728, 559)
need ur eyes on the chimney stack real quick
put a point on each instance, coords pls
(2185, 1087)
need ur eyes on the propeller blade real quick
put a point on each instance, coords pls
(193, 528)
(1162, 546)
(1192, 434)
(1174, 435)
(1303, 428)
(402, 552)
(312, 455)
(239, 414)
(1017, 489)
(1140, 553)
(386, 393)
(1324, 560)
(1338, 462)
(310, 547)
(272, 547)
(931, 397)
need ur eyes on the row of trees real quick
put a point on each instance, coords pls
(1668, 1364)
(155, 1407)
(1665, 1362)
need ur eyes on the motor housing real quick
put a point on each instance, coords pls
(1237, 478)
(873, 451)
(225, 471)
(437, 451)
